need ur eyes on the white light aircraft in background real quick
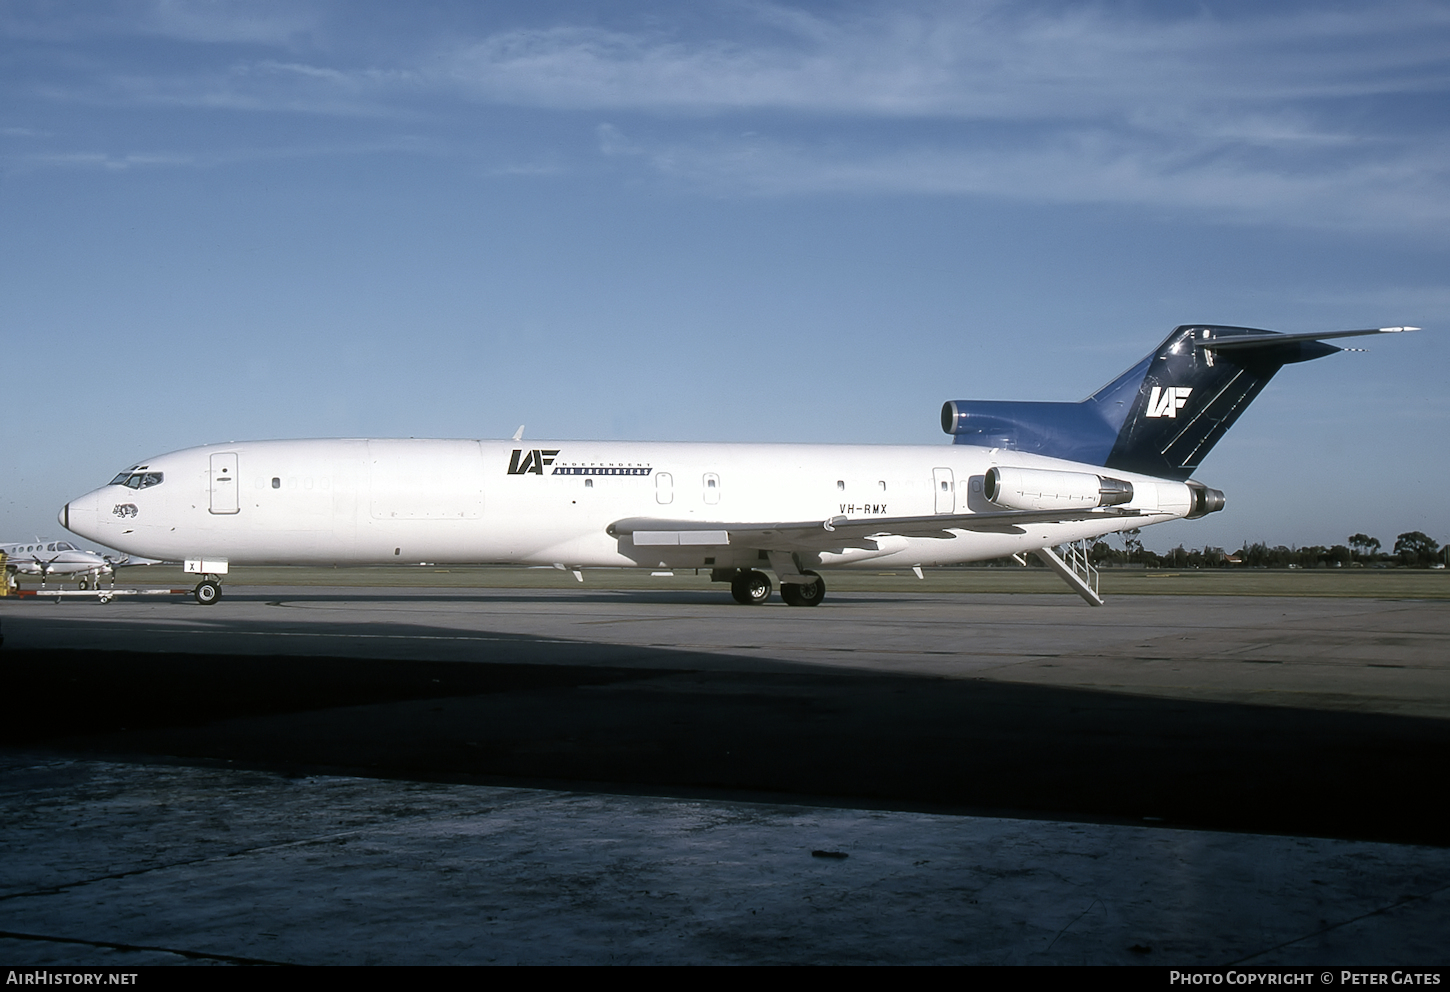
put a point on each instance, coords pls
(59, 558)
(1021, 478)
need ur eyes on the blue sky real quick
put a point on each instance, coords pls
(734, 221)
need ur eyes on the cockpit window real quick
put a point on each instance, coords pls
(137, 480)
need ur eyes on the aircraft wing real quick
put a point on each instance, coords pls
(837, 532)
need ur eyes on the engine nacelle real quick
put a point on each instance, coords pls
(1043, 489)
(1205, 500)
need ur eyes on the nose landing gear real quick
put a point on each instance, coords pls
(207, 592)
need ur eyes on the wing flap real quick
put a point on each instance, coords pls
(670, 538)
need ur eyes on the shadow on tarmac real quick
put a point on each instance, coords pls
(550, 713)
(719, 597)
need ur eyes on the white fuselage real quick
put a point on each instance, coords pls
(552, 502)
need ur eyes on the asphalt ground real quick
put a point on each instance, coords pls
(1245, 717)
(1356, 582)
(125, 864)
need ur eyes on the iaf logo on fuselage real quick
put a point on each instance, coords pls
(533, 462)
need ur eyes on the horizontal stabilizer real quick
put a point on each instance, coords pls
(1242, 341)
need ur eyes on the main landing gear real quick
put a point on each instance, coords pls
(751, 587)
(804, 594)
(207, 592)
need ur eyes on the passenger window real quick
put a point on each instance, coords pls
(276, 482)
(841, 484)
(588, 483)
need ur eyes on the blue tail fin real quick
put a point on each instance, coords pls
(1163, 415)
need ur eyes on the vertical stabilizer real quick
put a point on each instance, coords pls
(1192, 390)
(1163, 415)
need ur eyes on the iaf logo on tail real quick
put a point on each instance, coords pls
(1167, 402)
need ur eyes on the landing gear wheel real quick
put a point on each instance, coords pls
(750, 588)
(207, 592)
(796, 594)
(84, 585)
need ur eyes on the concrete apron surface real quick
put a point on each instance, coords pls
(129, 864)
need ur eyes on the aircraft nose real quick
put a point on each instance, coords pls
(79, 516)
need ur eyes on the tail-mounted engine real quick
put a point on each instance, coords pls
(1041, 489)
(1205, 500)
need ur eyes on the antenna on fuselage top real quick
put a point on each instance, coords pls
(519, 434)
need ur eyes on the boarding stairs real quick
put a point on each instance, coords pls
(1074, 568)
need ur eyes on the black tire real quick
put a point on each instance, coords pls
(750, 588)
(84, 585)
(207, 592)
(796, 594)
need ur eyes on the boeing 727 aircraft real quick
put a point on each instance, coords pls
(1021, 478)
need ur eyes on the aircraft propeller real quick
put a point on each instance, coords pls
(44, 566)
(111, 565)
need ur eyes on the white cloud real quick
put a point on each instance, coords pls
(115, 162)
(232, 21)
(203, 21)
(977, 61)
(985, 60)
(263, 86)
(1303, 116)
(1406, 191)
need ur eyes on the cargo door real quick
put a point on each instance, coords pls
(425, 479)
(224, 497)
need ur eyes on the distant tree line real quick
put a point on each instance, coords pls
(1411, 550)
